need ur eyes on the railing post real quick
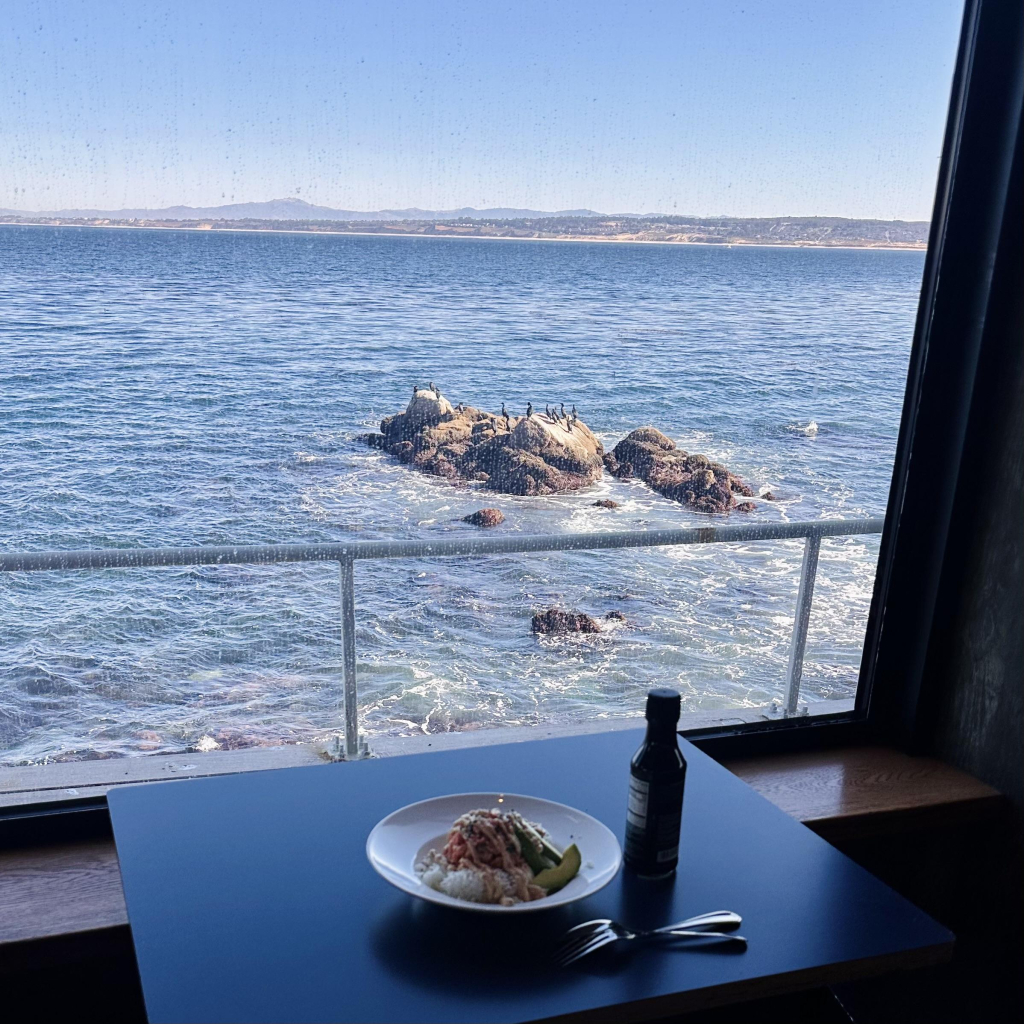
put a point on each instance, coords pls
(353, 748)
(808, 572)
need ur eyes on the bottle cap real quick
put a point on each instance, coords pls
(663, 705)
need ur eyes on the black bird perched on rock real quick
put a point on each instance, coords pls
(529, 409)
(563, 410)
(574, 416)
(435, 389)
(547, 411)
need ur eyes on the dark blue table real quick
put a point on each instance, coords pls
(250, 898)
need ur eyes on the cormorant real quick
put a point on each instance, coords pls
(435, 389)
(503, 412)
(563, 410)
(529, 409)
(547, 411)
(574, 414)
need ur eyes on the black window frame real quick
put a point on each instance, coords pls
(973, 197)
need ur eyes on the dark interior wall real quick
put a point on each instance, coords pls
(972, 700)
(973, 716)
(979, 717)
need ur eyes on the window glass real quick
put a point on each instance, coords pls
(235, 237)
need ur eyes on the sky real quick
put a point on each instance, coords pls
(757, 108)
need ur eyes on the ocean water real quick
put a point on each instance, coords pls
(186, 388)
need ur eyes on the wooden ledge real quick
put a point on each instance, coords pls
(70, 891)
(867, 791)
(73, 891)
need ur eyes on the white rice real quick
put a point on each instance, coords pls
(463, 884)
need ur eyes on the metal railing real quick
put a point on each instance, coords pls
(350, 745)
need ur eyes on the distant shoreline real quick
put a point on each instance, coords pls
(445, 235)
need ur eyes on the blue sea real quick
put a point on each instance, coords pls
(186, 388)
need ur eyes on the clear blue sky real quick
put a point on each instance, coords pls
(753, 108)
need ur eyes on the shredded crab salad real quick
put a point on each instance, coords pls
(498, 857)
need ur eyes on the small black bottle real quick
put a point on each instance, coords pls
(657, 775)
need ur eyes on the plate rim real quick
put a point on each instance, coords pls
(424, 892)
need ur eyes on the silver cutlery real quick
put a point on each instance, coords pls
(590, 936)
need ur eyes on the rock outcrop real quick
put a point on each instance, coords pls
(554, 620)
(696, 481)
(518, 455)
(485, 517)
(542, 454)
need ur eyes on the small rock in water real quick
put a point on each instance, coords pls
(149, 740)
(238, 738)
(606, 503)
(554, 620)
(616, 616)
(768, 496)
(485, 517)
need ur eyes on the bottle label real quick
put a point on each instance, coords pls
(639, 796)
(653, 818)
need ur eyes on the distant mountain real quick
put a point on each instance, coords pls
(299, 209)
(470, 213)
(568, 225)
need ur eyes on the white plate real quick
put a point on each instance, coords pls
(399, 842)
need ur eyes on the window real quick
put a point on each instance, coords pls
(234, 241)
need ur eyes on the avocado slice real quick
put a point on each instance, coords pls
(550, 851)
(547, 849)
(555, 878)
(530, 854)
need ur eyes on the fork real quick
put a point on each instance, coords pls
(590, 936)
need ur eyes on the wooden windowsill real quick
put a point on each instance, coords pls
(73, 891)
(867, 791)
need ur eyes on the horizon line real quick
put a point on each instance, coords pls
(521, 211)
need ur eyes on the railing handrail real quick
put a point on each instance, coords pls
(440, 547)
(346, 554)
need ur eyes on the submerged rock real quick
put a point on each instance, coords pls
(485, 517)
(606, 503)
(238, 738)
(615, 616)
(514, 456)
(554, 620)
(694, 480)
